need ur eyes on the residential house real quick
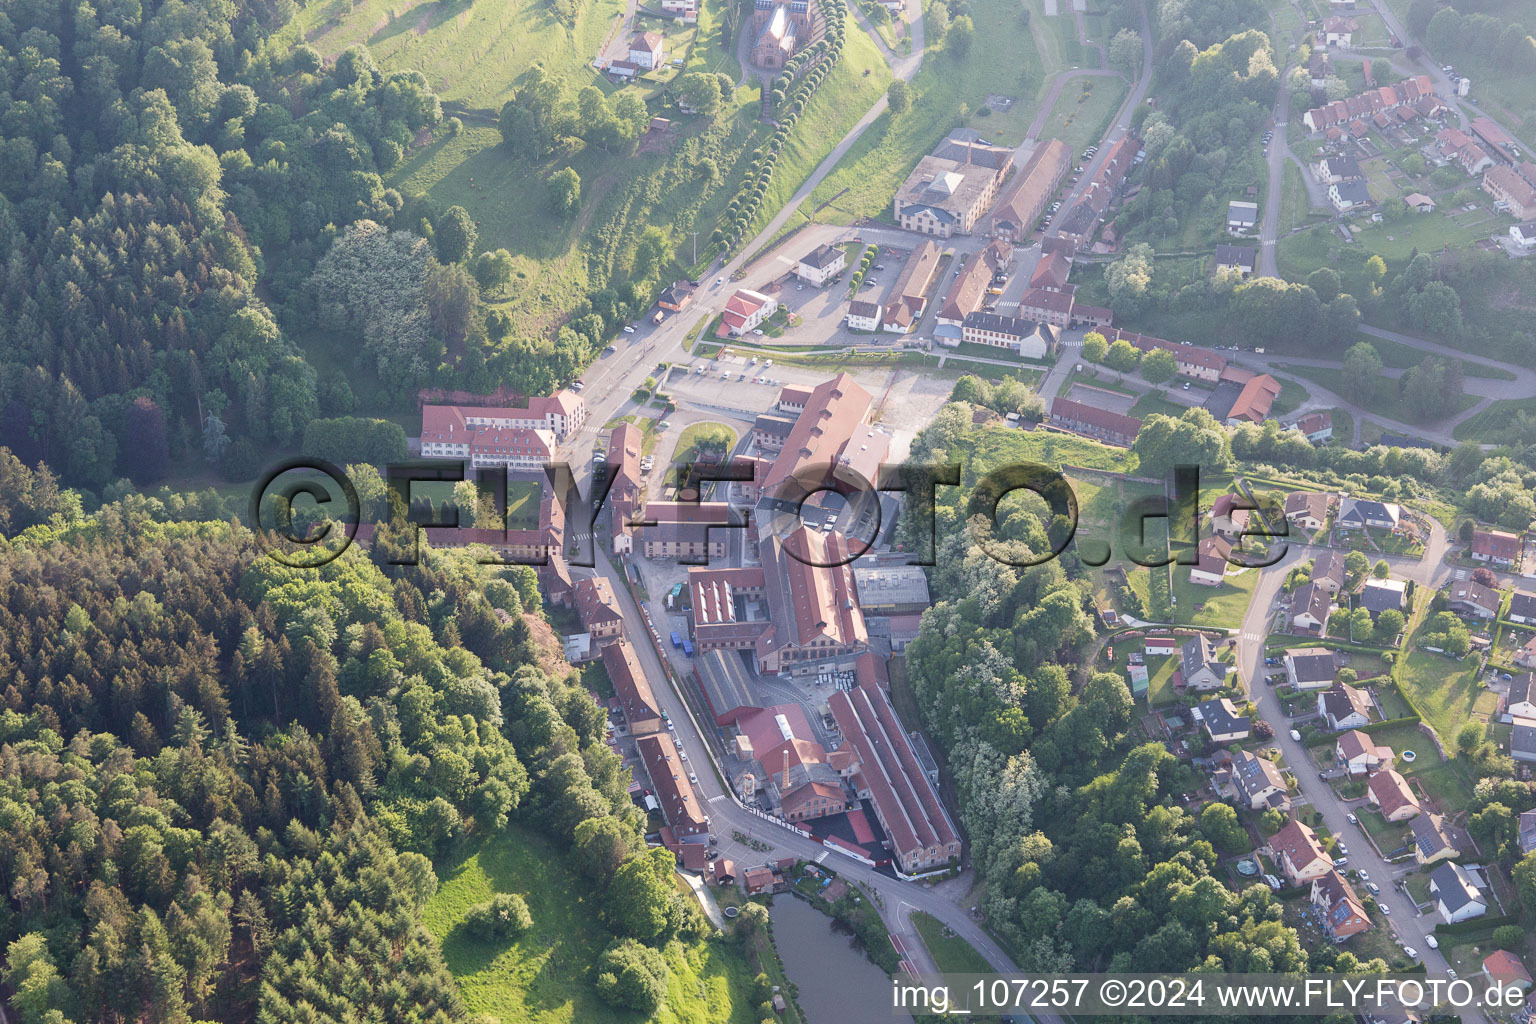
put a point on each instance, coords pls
(1307, 509)
(1239, 258)
(1522, 607)
(1328, 571)
(1340, 31)
(599, 610)
(821, 264)
(1523, 235)
(687, 10)
(1214, 554)
(744, 311)
(1378, 596)
(1309, 668)
(1026, 338)
(1333, 169)
(1455, 894)
(1474, 600)
(1358, 513)
(1159, 645)
(1507, 969)
(1419, 202)
(1020, 208)
(1527, 831)
(679, 802)
(1344, 707)
(1496, 547)
(864, 316)
(1258, 783)
(675, 297)
(1339, 910)
(1473, 159)
(1190, 361)
(648, 50)
(1319, 67)
(1311, 607)
(1221, 722)
(1300, 856)
(1388, 792)
(1431, 842)
(1508, 187)
(1242, 217)
(1316, 427)
(1252, 403)
(1525, 657)
(1227, 519)
(1349, 195)
(1094, 422)
(1522, 739)
(1201, 669)
(1358, 754)
(1520, 702)
(1417, 92)
(487, 434)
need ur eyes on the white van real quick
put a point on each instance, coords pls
(1296, 735)
(1433, 942)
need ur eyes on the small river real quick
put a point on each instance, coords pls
(838, 984)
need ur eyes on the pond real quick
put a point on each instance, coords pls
(837, 982)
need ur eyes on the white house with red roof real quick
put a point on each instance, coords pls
(648, 50)
(744, 311)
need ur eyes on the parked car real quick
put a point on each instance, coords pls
(1296, 735)
(1432, 942)
(1365, 876)
(577, 385)
(1340, 862)
(752, 361)
(1386, 911)
(1373, 888)
(1354, 820)
(1413, 954)
(719, 280)
(1343, 850)
(693, 778)
(759, 334)
(628, 329)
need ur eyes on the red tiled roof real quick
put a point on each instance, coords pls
(1103, 419)
(1298, 843)
(833, 411)
(630, 684)
(596, 603)
(1496, 544)
(669, 778)
(1391, 792)
(1257, 397)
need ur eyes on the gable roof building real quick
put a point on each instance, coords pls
(599, 608)
(1430, 841)
(909, 295)
(1496, 546)
(1200, 667)
(1341, 913)
(1456, 894)
(1240, 258)
(1023, 203)
(1359, 753)
(1310, 668)
(1091, 421)
(1357, 513)
(1307, 509)
(1378, 596)
(944, 196)
(1328, 570)
(1214, 554)
(1344, 707)
(679, 803)
(1221, 722)
(1522, 606)
(1299, 853)
(967, 293)
(1258, 782)
(1389, 791)
(1474, 599)
(1311, 607)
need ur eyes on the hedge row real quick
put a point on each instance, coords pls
(819, 58)
(1475, 925)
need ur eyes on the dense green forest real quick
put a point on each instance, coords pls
(224, 782)
(1089, 861)
(179, 203)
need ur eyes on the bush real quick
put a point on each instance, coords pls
(1508, 936)
(503, 916)
(634, 976)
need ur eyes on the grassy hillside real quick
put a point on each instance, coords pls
(1004, 58)
(542, 978)
(473, 56)
(470, 52)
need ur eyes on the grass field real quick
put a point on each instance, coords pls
(1212, 606)
(1385, 401)
(1003, 59)
(543, 977)
(1492, 423)
(687, 444)
(1447, 692)
(1083, 110)
(951, 954)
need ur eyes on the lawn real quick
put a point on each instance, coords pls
(1291, 397)
(951, 954)
(544, 977)
(1004, 58)
(1384, 401)
(1446, 691)
(688, 444)
(1083, 110)
(1160, 685)
(1492, 424)
(1222, 606)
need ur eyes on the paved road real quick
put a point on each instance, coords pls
(1269, 227)
(1118, 128)
(1412, 928)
